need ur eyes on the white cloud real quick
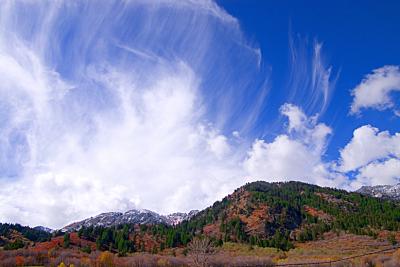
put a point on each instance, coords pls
(296, 155)
(297, 119)
(311, 80)
(151, 151)
(307, 129)
(378, 173)
(83, 133)
(219, 146)
(375, 89)
(368, 144)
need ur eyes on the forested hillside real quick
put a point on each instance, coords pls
(14, 236)
(262, 214)
(261, 221)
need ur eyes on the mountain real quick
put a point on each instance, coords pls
(278, 215)
(135, 216)
(382, 191)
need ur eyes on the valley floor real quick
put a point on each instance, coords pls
(327, 252)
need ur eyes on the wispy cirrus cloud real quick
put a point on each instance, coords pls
(312, 80)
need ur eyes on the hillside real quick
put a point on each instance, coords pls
(14, 236)
(277, 214)
(263, 214)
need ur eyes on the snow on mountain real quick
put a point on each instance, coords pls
(178, 217)
(382, 191)
(42, 228)
(135, 216)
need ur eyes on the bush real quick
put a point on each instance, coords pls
(87, 249)
(106, 259)
(14, 245)
(19, 261)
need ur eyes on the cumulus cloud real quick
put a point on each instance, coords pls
(367, 145)
(295, 155)
(375, 89)
(373, 156)
(378, 173)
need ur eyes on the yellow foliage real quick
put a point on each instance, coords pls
(62, 265)
(106, 259)
(162, 262)
(86, 261)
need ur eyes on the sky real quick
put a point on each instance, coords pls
(171, 105)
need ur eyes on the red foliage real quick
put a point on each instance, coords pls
(59, 242)
(53, 243)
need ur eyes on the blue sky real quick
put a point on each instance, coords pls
(171, 105)
(357, 37)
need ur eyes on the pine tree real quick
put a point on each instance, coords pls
(67, 240)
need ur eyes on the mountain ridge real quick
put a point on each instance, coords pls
(391, 192)
(134, 216)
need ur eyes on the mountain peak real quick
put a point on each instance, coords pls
(381, 191)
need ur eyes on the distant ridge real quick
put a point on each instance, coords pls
(43, 228)
(391, 192)
(135, 216)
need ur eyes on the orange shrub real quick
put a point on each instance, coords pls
(19, 261)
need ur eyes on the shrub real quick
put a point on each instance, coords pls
(106, 259)
(200, 250)
(14, 245)
(86, 249)
(19, 261)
